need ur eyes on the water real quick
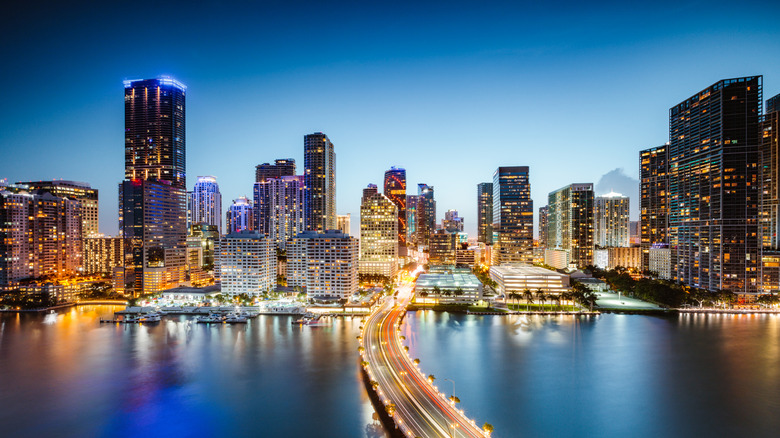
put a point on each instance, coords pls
(65, 374)
(607, 376)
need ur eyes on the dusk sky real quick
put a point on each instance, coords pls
(449, 91)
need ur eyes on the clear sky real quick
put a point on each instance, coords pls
(448, 90)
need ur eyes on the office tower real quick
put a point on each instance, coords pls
(240, 216)
(543, 226)
(154, 131)
(570, 222)
(653, 199)
(411, 217)
(246, 263)
(395, 190)
(343, 222)
(205, 202)
(485, 213)
(442, 248)
(319, 162)
(612, 220)
(714, 186)
(152, 223)
(102, 254)
(325, 264)
(378, 236)
(40, 235)
(207, 237)
(513, 216)
(452, 223)
(279, 208)
(369, 191)
(426, 214)
(152, 198)
(73, 190)
(770, 202)
(281, 167)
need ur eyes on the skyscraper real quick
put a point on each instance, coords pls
(281, 167)
(513, 215)
(205, 202)
(570, 222)
(543, 225)
(240, 216)
(654, 199)
(279, 208)
(319, 162)
(395, 190)
(770, 203)
(153, 200)
(612, 220)
(452, 223)
(378, 236)
(714, 186)
(343, 223)
(411, 218)
(485, 213)
(426, 214)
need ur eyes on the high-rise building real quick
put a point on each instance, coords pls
(153, 199)
(343, 223)
(281, 167)
(714, 189)
(513, 216)
(411, 217)
(485, 213)
(770, 197)
(205, 203)
(73, 190)
(378, 236)
(369, 191)
(319, 162)
(325, 264)
(102, 254)
(246, 263)
(543, 225)
(426, 214)
(40, 235)
(207, 237)
(653, 199)
(152, 223)
(570, 222)
(452, 223)
(442, 248)
(279, 208)
(612, 220)
(154, 131)
(395, 190)
(240, 216)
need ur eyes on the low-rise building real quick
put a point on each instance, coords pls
(660, 260)
(447, 286)
(557, 258)
(518, 278)
(611, 258)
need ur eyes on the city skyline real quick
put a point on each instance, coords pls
(444, 102)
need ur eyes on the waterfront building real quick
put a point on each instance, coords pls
(425, 223)
(319, 161)
(378, 236)
(613, 257)
(240, 216)
(102, 254)
(714, 192)
(152, 223)
(447, 286)
(451, 222)
(40, 235)
(570, 222)
(343, 223)
(81, 191)
(485, 213)
(653, 198)
(281, 167)
(513, 215)
(246, 263)
(279, 208)
(543, 225)
(770, 201)
(395, 190)
(442, 248)
(324, 264)
(660, 260)
(205, 203)
(518, 278)
(612, 228)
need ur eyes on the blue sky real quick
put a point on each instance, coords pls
(450, 91)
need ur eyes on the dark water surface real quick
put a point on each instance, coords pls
(65, 374)
(610, 376)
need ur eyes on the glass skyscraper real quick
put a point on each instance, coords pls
(395, 190)
(485, 213)
(513, 215)
(319, 162)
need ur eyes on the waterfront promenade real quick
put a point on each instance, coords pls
(419, 409)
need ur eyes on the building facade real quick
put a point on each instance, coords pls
(654, 199)
(612, 224)
(344, 222)
(325, 264)
(320, 179)
(205, 203)
(240, 216)
(378, 236)
(279, 208)
(246, 263)
(281, 167)
(485, 213)
(425, 214)
(81, 191)
(571, 223)
(102, 254)
(395, 190)
(513, 215)
(543, 225)
(442, 248)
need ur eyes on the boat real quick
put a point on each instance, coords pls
(151, 317)
(234, 318)
(211, 318)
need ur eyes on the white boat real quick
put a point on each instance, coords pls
(234, 318)
(151, 317)
(211, 318)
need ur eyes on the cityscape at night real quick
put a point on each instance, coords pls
(390, 220)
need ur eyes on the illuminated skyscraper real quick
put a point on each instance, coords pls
(485, 213)
(714, 189)
(612, 220)
(654, 200)
(343, 223)
(570, 222)
(452, 223)
(319, 162)
(543, 225)
(378, 236)
(206, 203)
(411, 217)
(281, 167)
(240, 216)
(426, 214)
(513, 216)
(395, 190)
(770, 203)
(279, 208)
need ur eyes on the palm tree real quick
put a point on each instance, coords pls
(541, 296)
(529, 299)
(488, 428)
(431, 378)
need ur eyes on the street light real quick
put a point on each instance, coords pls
(453, 388)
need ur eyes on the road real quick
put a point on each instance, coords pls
(421, 410)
